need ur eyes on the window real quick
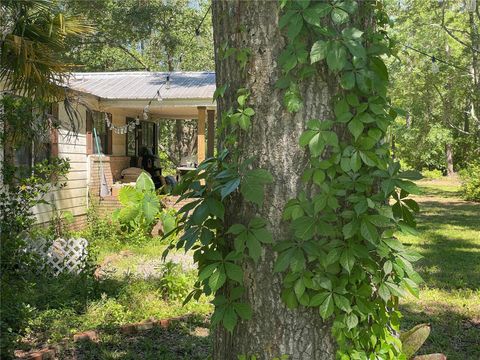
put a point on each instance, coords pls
(96, 124)
(148, 136)
(141, 138)
(131, 140)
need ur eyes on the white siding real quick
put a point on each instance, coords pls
(72, 197)
(118, 140)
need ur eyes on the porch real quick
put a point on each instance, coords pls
(126, 110)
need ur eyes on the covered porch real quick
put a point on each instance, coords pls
(126, 110)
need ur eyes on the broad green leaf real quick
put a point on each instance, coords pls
(236, 229)
(387, 267)
(318, 299)
(229, 319)
(304, 227)
(283, 260)
(229, 187)
(243, 310)
(263, 235)
(144, 183)
(150, 206)
(384, 292)
(128, 195)
(369, 232)
(314, 14)
(234, 272)
(292, 99)
(318, 177)
(244, 121)
(347, 260)
(347, 81)
(316, 145)
(351, 321)
(306, 136)
(200, 214)
(295, 26)
(319, 51)
(355, 127)
(327, 307)
(215, 207)
(216, 280)
(207, 271)
(342, 302)
(352, 33)
(339, 16)
(336, 57)
(299, 288)
(290, 299)
(254, 248)
(341, 107)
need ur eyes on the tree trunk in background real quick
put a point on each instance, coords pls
(449, 158)
(273, 330)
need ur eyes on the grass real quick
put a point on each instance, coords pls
(449, 240)
(135, 285)
(134, 288)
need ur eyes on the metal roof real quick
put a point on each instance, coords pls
(144, 85)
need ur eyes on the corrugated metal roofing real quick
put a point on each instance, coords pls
(144, 85)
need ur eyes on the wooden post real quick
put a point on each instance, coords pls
(202, 114)
(210, 132)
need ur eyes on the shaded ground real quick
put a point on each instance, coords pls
(187, 341)
(132, 285)
(449, 240)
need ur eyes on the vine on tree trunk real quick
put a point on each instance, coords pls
(343, 257)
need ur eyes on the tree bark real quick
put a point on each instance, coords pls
(273, 330)
(449, 159)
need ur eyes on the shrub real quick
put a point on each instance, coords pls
(175, 283)
(17, 266)
(432, 174)
(140, 205)
(471, 181)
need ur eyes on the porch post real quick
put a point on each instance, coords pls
(210, 132)
(202, 114)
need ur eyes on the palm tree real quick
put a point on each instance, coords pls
(34, 34)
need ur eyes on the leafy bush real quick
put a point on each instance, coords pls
(175, 283)
(432, 174)
(471, 182)
(140, 205)
(17, 266)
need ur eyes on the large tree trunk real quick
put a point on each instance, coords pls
(273, 141)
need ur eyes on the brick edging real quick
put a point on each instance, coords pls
(50, 352)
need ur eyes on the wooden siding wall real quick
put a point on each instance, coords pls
(119, 141)
(73, 197)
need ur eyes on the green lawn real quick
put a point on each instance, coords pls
(449, 240)
(135, 286)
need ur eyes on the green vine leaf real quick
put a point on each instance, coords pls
(252, 187)
(315, 13)
(319, 51)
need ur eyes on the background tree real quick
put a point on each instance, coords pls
(440, 129)
(152, 35)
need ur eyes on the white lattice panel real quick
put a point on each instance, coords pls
(62, 255)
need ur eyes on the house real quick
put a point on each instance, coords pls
(124, 108)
